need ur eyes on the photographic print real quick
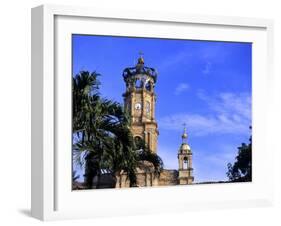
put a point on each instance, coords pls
(160, 112)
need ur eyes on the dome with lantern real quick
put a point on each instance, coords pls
(184, 148)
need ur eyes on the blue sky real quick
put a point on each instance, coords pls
(205, 84)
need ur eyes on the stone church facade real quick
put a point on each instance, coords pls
(140, 102)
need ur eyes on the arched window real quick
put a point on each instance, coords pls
(138, 142)
(128, 106)
(138, 83)
(185, 162)
(148, 86)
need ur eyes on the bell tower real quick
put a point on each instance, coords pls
(185, 161)
(139, 101)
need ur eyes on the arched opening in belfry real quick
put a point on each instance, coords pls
(185, 162)
(138, 83)
(148, 86)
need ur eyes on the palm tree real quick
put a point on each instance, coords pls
(85, 87)
(101, 134)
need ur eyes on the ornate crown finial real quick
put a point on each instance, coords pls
(140, 60)
(140, 68)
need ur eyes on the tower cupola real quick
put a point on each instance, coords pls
(185, 161)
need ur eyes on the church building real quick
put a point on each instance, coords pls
(140, 101)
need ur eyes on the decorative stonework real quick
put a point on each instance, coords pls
(139, 101)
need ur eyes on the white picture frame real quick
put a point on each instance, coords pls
(52, 197)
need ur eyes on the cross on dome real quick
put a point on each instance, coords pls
(184, 135)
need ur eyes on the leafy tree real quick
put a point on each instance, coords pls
(241, 169)
(102, 140)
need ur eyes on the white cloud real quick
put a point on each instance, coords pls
(208, 167)
(182, 87)
(226, 113)
(168, 154)
(182, 57)
(210, 54)
(213, 167)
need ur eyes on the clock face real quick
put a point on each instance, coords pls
(138, 106)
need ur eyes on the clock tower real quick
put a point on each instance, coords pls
(139, 102)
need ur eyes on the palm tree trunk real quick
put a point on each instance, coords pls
(98, 180)
(117, 179)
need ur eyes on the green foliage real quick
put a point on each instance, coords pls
(85, 88)
(145, 154)
(102, 140)
(241, 169)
